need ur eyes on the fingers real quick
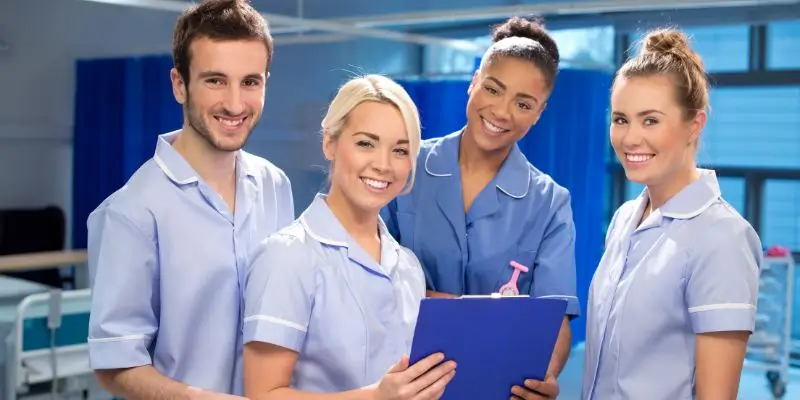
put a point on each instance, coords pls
(422, 366)
(537, 390)
(432, 376)
(520, 392)
(400, 366)
(547, 388)
(435, 390)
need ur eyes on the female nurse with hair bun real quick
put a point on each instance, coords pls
(672, 303)
(479, 210)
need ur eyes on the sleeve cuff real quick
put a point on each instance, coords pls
(275, 331)
(122, 352)
(710, 319)
(573, 305)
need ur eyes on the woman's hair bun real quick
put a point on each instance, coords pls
(671, 41)
(665, 41)
(526, 27)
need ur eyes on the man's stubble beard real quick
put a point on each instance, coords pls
(198, 125)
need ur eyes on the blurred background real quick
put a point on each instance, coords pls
(85, 92)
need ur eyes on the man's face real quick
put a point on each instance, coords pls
(225, 96)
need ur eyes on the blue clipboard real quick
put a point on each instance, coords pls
(497, 342)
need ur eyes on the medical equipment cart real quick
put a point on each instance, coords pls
(770, 345)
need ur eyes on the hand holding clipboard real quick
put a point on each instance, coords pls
(425, 379)
(498, 341)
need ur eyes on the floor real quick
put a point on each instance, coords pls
(753, 386)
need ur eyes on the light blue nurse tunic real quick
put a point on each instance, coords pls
(167, 261)
(312, 289)
(522, 215)
(691, 267)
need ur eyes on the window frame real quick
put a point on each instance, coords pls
(757, 75)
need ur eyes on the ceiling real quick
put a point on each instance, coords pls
(415, 20)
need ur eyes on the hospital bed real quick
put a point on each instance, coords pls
(45, 331)
(48, 343)
(48, 259)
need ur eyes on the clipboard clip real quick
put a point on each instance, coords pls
(510, 288)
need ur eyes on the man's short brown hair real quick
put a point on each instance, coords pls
(217, 20)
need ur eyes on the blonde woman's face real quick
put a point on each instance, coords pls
(370, 160)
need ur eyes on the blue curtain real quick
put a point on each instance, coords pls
(569, 143)
(442, 105)
(121, 106)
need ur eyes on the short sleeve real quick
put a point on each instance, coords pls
(123, 278)
(554, 272)
(279, 292)
(722, 281)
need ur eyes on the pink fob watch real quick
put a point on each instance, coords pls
(510, 288)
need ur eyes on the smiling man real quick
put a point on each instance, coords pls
(168, 251)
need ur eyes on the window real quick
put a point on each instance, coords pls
(780, 216)
(588, 48)
(753, 127)
(733, 191)
(440, 60)
(782, 44)
(723, 48)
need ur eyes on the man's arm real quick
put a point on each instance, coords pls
(143, 382)
(122, 270)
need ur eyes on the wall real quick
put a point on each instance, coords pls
(304, 78)
(37, 76)
(44, 37)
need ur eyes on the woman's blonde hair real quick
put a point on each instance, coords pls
(379, 89)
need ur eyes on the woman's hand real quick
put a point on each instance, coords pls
(537, 390)
(425, 380)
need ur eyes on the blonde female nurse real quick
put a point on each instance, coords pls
(331, 301)
(673, 302)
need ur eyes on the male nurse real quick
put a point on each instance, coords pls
(168, 251)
